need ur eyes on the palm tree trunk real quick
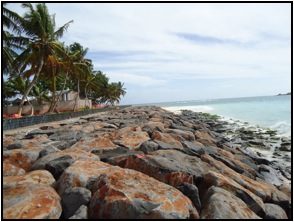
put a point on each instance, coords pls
(51, 109)
(28, 90)
(77, 97)
(32, 107)
(58, 97)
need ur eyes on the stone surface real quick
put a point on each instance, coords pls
(80, 214)
(74, 153)
(58, 165)
(221, 204)
(11, 170)
(82, 173)
(274, 212)
(166, 138)
(253, 202)
(191, 191)
(31, 201)
(170, 166)
(72, 199)
(38, 177)
(128, 194)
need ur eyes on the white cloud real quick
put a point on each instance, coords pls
(235, 41)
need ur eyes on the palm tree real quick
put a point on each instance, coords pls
(80, 67)
(9, 21)
(39, 28)
(19, 86)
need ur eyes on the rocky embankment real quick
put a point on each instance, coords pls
(138, 163)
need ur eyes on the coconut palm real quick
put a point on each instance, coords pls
(39, 28)
(80, 67)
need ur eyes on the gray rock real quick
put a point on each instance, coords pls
(72, 199)
(228, 163)
(48, 149)
(221, 204)
(274, 212)
(189, 145)
(16, 145)
(148, 146)
(191, 191)
(82, 213)
(33, 133)
(57, 166)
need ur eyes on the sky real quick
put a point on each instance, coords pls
(166, 52)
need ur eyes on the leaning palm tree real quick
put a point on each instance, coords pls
(9, 21)
(39, 29)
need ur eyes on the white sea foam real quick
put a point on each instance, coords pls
(283, 128)
(178, 109)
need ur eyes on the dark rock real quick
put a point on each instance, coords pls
(16, 145)
(174, 126)
(192, 146)
(148, 146)
(81, 214)
(71, 201)
(187, 135)
(274, 212)
(57, 166)
(191, 191)
(33, 133)
(48, 149)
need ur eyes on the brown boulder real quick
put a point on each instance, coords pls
(128, 194)
(11, 170)
(221, 204)
(38, 177)
(82, 173)
(216, 179)
(166, 138)
(204, 138)
(31, 201)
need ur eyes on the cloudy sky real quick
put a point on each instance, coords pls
(184, 51)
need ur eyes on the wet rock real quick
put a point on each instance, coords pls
(221, 204)
(270, 175)
(72, 199)
(38, 177)
(58, 165)
(274, 212)
(133, 196)
(31, 201)
(80, 214)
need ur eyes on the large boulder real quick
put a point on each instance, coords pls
(218, 180)
(128, 194)
(38, 177)
(31, 201)
(75, 154)
(221, 204)
(274, 212)
(10, 169)
(82, 173)
(170, 166)
(166, 138)
(72, 199)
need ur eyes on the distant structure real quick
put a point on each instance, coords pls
(286, 94)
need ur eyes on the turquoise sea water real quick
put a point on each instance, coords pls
(267, 111)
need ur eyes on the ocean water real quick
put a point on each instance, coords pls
(272, 112)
